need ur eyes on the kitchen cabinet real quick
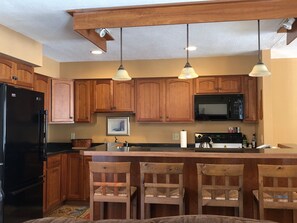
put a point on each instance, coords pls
(64, 171)
(53, 182)
(86, 160)
(43, 84)
(218, 84)
(164, 100)
(114, 96)
(62, 101)
(83, 95)
(250, 99)
(16, 73)
(78, 177)
(75, 177)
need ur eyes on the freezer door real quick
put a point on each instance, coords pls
(24, 203)
(23, 152)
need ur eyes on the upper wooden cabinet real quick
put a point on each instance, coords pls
(43, 84)
(83, 94)
(150, 100)
(221, 84)
(250, 98)
(114, 96)
(16, 73)
(179, 100)
(164, 100)
(62, 101)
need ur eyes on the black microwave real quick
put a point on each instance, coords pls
(219, 107)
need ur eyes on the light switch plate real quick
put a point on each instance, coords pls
(72, 135)
(175, 136)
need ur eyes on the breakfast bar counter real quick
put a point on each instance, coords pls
(250, 159)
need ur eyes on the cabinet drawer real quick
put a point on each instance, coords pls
(54, 161)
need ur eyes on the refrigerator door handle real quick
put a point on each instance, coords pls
(43, 133)
(26, 188)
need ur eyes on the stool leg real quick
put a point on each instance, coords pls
(91, 209)
(148, 210)
(128, 209)
(134, 208)
(101, 206)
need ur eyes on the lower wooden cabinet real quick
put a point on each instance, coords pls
(53, 182)
(66, 178)
(78, 177)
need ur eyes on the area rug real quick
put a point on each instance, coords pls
(71, 211)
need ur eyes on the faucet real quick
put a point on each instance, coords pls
(115, 139)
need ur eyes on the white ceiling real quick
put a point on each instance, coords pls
(48, 23)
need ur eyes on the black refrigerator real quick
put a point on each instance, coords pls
(22, 152)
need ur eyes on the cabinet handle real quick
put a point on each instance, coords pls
(71, 117)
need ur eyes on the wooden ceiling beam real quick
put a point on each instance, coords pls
(168, 14)
(292, 34)
(92, 36)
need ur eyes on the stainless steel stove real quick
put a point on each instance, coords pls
(218, 140)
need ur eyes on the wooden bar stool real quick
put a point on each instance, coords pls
(161, 183)
(220, 185)
(277, 189)
(110, 182)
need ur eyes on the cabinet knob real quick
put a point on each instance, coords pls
(71, 117)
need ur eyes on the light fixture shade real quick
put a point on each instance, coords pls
(121, 75)
(188, 72)
(260, 70)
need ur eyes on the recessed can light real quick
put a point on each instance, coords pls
(96, 52)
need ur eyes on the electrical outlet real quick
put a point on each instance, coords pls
(175, 136)
(72, 135)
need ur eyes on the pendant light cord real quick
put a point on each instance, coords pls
(187, 43)
(259, 49)
(121, 45)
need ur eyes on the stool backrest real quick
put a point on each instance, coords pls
(277, 186)
(110, 177)
(220, 185)
(164, 177)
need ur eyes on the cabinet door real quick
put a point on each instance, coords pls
(6, 71)
(53, 181)
(179, 100)
(150, 100)
(86, 168)
(24, 75)
(64, 162)
(230, 84)
(123, 96)
(43, 84)
(62, 101)
(82, 95)
(103, 99)
(206, 85)
(250, 99)
(75, 177)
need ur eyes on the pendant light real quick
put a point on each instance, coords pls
(259, 70)
(188, 71)
(122, 74)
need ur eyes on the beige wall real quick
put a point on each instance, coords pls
(160, 68)
(49, 68)
(18, 46)
(141, 132)
(150, 132)
(284, 102)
